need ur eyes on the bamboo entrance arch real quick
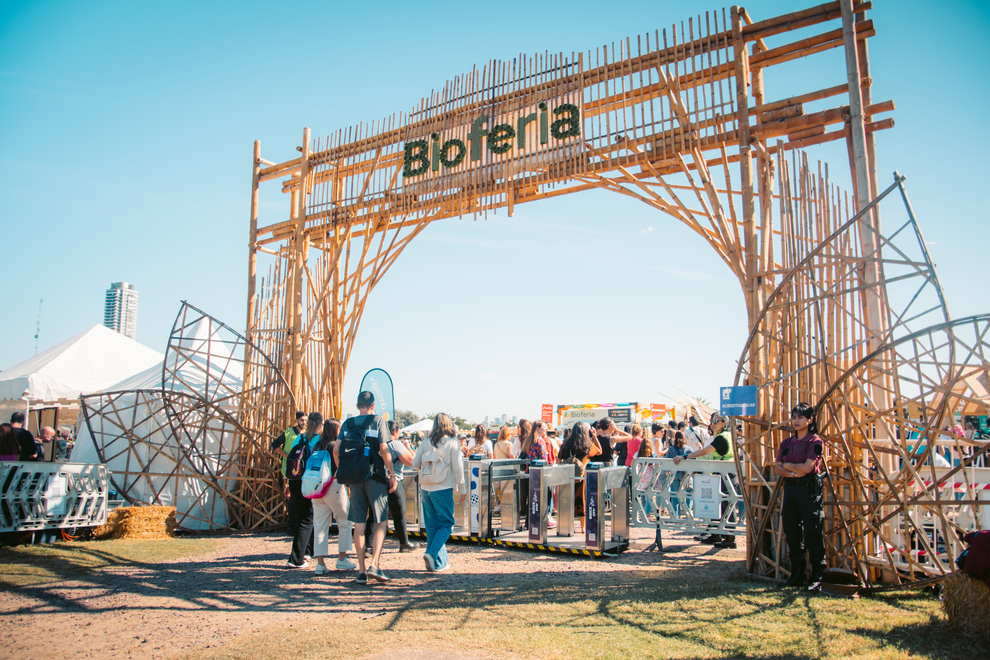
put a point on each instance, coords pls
(681, 119)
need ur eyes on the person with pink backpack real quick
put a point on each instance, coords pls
(336, 502)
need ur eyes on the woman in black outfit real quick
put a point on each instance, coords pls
(800, 463)
(302, 531)
(580, 446)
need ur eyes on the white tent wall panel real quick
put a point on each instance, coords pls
(150, 463)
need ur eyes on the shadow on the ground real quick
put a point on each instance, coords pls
(934, 638)
(262, 583)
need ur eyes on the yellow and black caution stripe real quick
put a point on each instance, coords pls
(467, 539)
(453, 537)
(555, 549)
(521, 545)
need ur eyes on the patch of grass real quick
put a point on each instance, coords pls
(643, 617)
(38, 564)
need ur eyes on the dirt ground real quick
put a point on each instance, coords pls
(183, 606)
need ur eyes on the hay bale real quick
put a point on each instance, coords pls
(966, 603)
(138, 522)
(105, 531)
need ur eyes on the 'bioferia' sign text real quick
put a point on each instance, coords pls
(530, 133)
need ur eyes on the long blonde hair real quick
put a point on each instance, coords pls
(443, 426)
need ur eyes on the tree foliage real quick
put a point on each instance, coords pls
(459, 422)
(406, 417)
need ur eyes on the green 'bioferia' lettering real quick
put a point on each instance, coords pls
(429, 155)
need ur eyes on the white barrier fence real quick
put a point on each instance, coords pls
(36, 496)
(694, 496)
(968, 485)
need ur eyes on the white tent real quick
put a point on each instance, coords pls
(422, 426)
(88, 362)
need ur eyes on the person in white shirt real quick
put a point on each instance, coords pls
(704, 437)
(440, 463)
(691, 439)
(480, 445)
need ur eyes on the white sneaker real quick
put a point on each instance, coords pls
(307, 557)
(431, 564)
(551, 523)
(302, 565)
(321, 569)
(344, 565)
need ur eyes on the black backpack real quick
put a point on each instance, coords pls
(295, 467)
(356, 458)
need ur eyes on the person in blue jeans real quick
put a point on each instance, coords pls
(441, 473)
(677, 448)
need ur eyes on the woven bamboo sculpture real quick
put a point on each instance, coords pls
(184, 442)
(842, 312)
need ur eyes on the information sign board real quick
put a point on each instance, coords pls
(707, 497)
(620, 415)
(736, 401)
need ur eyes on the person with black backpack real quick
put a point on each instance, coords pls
(301, 522)
(334, 502)
(364, 463)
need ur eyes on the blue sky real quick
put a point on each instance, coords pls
(126, 133)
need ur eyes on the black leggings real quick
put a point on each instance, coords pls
(301, 519)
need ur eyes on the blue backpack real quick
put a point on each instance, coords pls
(318, 478)
(295, 466)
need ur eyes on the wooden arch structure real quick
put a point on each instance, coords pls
(684, 119)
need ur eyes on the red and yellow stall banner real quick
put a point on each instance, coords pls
(547, 413)
(658, 411)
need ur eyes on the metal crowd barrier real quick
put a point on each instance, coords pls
(694, 496)
(35, 496)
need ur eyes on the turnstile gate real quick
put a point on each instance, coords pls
(542, 479)
(606, 484)
(509, 506)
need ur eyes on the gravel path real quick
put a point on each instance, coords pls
(156, 611)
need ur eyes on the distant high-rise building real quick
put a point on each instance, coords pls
(120, 312)
(515, 419)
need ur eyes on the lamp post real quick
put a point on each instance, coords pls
(26, 398)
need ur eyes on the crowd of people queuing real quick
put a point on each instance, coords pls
(362, 509)
(603, 441)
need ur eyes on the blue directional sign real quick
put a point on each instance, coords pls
(737, 401)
